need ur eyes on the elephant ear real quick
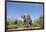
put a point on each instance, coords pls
(23, 16)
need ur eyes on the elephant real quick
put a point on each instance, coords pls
(27, 19)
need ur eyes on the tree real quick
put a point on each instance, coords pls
(39, 22)
(16, 21)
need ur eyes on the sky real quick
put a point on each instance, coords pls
(15, 9)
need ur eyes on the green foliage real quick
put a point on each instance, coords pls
(16, 21)
(38, 22)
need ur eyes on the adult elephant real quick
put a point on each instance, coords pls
(27, 19)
